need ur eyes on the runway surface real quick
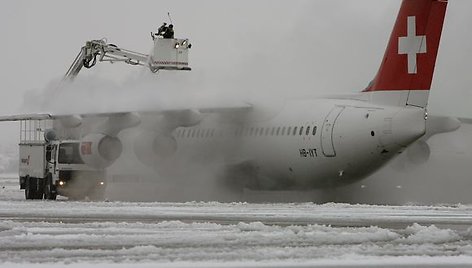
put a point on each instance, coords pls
(194, 234)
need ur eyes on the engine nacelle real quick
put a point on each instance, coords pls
(99, 150)
(151, 147)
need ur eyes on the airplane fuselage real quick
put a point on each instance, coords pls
(307, 144)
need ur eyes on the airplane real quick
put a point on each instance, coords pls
(309, 143)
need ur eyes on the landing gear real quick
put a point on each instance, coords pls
(33, 188)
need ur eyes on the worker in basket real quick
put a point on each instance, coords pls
(169, 33)
(162, 30)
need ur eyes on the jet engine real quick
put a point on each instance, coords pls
(152, 148)
(156, 144)
(100, 150)
(419, 152)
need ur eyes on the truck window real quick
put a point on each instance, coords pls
(69, 154)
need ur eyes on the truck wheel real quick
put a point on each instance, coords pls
(50, 192)
(39, 188)
(31, 188)
(29, 194)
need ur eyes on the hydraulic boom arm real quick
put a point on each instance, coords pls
(99, 50)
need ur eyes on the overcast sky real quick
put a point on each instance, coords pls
(256, 48)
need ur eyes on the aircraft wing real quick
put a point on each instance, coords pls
(20, 117)
(239, 108)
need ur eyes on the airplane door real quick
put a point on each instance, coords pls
(327, 144)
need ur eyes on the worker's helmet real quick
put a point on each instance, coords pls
(171, 26)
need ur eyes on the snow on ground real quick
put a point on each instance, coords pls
(197, 234)
(177, 242)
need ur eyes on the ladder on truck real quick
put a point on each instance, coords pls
(32, 131)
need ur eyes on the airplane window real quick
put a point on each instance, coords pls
(283, 131)
(314, 130)
(301, 131)
(289, 130)
(272, 132)
(295, 131)
(307, 131)
(278, 131)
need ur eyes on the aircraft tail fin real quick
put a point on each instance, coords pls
(408, 65)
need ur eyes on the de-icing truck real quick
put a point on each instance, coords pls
(50, 166)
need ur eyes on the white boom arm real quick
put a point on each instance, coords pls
(168, 54)
(99, 50)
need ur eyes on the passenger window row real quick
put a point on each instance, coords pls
(246, 132)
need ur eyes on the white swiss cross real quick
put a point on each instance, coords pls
(412, 45)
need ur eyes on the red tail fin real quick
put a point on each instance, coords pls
(411, 54)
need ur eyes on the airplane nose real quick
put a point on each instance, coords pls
(408, 125)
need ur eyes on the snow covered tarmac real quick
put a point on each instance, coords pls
(118, 234)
